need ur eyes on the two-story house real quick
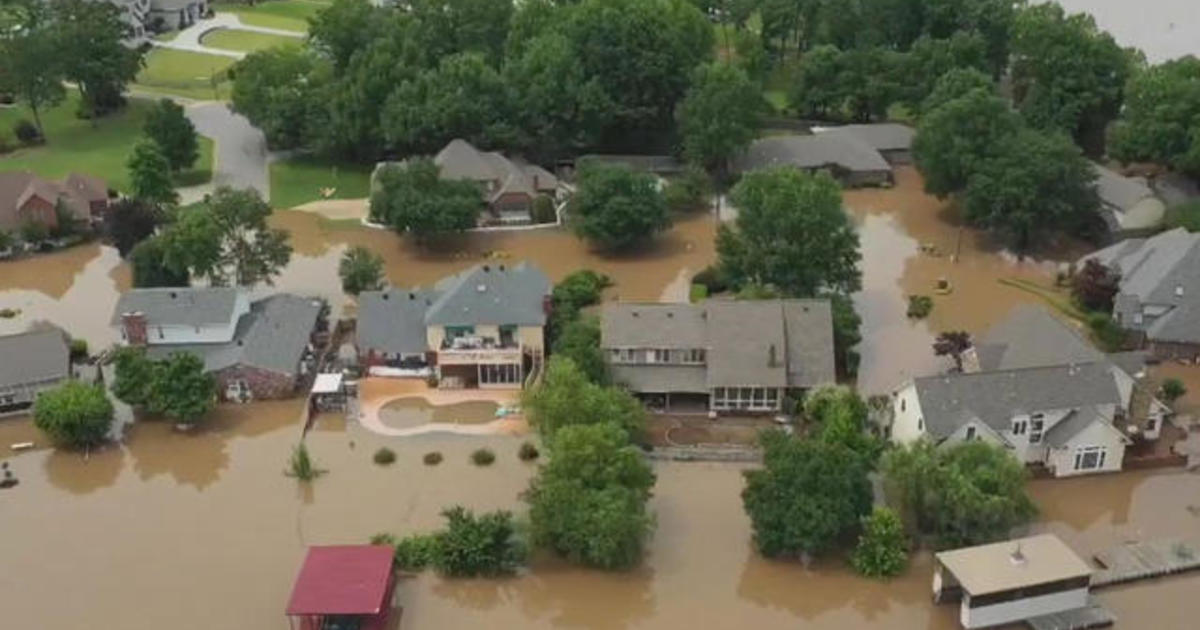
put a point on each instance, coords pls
(719, 356)
(31, 363)
(1035, 386)
(483, 327)
(255, 349)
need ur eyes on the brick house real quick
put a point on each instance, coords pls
(255, 350)
(27, 198)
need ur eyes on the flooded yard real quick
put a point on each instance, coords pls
(406, 413)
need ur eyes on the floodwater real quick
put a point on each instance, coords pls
(202, 530)
(910, 241)
(1163, 29)
(405, 413)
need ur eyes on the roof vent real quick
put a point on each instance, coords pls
(412, 296)
(174, 295)
(1017, 557)
(635, 313)
(501, 267)
(670, 315)
(486, 268)
(481, 288)
(386, 295)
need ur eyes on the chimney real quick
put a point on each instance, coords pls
(547, 305)
(134, 325)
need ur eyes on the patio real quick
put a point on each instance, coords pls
(375, 393)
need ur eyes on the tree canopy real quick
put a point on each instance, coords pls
(955, 137)
(32, 70)
(91, 48)
(169, 127)
(615, 208)
(790, 233)
(151, 268)
(567, 397)
(882, 549)
(471, 546)
(719, 116)
(131, 221)
(360, 269)
(579, 341)
(181, 389)
(1161, 119)
(150, 173)
(413, 199)
(74, 414)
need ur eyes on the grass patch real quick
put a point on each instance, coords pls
(288, 15)
(186, 74)
(698, 293)
(97, 147)
(1051, 297)
(246, 41)
(1185, 215)
(299, 180)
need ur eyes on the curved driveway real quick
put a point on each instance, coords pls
(241, 155)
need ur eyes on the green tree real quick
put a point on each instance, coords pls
(148, 259)
(870, 81)
(579, 341)
(689, 192)
(719, 116)
(32, 70)
(588, 502)
(360, 270)
(471, 546)
(846, 334)
(150, 173)
(135, 373)
(445, 27)
(964, 494)
(180, 389)
(955, 83)
(90, 43)
(566, 397)
(838, 415)
(413, 199)
(281, 91)
(131, 221)
(954, 138)
(570, 295)
(963, 53)
(1095, 286)
(1161, 119)
(1067, 73)
(817, 91)
(1034, 183)
(169, 127)
(340, 29)
(73, 414)
(227, 240)
(791, 233)
(807, 495)
(1172, 389)
(615, 208)
(882, 549)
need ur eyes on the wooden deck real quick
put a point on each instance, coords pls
(1092, 616)
(1143, 560)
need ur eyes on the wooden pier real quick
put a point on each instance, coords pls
(1092, 616)
(1144, 560)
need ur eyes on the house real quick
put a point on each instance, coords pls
(719, 355)
(1128, 204)
(260, 349)
(33, 362)
(136, 15)
(1008, 582)
(843, 155)
(508, 185)
(893, 141)
(343, 586)
(1032, 385)
(1159, 295)
(175, 14)
(28, 198)
(483, 327)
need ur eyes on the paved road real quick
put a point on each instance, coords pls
(241, 149)
(189, 38)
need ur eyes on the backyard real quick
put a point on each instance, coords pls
(299, 180)
(246, 41)
(290, 15)
(187, 74)
(97, 148)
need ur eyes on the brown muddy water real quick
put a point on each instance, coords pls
(405, 413)
(203, 530)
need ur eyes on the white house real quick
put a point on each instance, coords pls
(1009, 582)
(179, 315)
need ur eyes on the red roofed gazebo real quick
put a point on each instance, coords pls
(344, 587)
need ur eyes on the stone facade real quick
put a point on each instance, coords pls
(263, 384)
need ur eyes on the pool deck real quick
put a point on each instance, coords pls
(375, 393)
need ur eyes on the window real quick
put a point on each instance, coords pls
(628, 355)
(970, 433)
(1090, 457)
(505, 374)
(1151, 425)
(1137, 318)
(1035, 429)
(160, 332)
(695, 355)
(1019, 426)
(661, 355)
(920, 424)
(902, 403)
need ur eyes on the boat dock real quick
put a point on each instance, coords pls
(1144, 560)
(1093, 616)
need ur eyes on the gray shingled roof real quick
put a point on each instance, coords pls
(491, 294)
(272, 336)
(1031, 337)
(33, 356)
(179, 306)
(950, 400)
(1079, 419)
(739, 337)
(885, 136)
(660, 379)
(393, 320)
(460, 159)
(811, 152)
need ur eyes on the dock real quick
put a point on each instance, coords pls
(1144, 560)
(1091, 616)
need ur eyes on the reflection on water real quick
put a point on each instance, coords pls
(414, 411)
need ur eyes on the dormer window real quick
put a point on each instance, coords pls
(970, 433)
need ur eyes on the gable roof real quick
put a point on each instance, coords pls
(342, 580)
(812, 152)
(1031, 337)
(994, 397)
(393, 320)
(179, 306)
(884, 136)
(34, 356)
(491, 294)
(460, 159)
(653, 325)
(18, 187)
(1075, 422)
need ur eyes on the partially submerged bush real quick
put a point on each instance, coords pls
(301, 465)
(432, 458)
(919, 306)
(483, 457)
(527, 451)
(415, 552)
(384, 456)
(79, 349)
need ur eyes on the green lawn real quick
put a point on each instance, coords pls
(75, 145)
(246, 41)
(300, 180)
(186, 74)
(289, 15)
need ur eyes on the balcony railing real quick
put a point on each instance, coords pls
(473, 350)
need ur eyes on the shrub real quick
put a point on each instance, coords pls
(74, 414)
(432, 458)
(698, 293)
(882, 549)
(689, 192)
(543, 210)
(483, 457)
(415, 552)
(527, 452)
(26, 132)
(712, 277)
(384, 456)
(1106, 332)
(1185, 215)
(79, 349)
(473, 545)
(919, 306)
(1172, 390)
